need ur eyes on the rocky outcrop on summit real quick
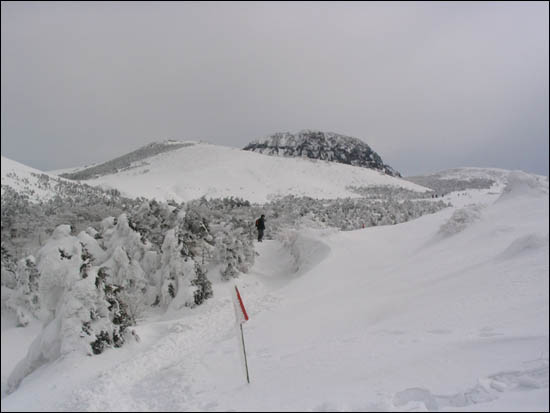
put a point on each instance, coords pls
(322, 145)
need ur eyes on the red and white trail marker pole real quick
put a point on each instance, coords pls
(241, 317)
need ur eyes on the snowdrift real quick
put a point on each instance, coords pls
(520, 184)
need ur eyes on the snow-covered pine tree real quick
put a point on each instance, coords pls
(24, 298)
(8, 277)
(78, 310)
(202, 284)
(176, 273)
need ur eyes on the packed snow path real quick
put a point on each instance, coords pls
(189, 361)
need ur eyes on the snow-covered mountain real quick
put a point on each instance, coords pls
(195, 169)
(326, 146)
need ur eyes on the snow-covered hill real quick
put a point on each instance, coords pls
(28, 181)
(446, 312)
(213, 171)
(327, 146)
(39, 187)
(123, 162)
(34, 203)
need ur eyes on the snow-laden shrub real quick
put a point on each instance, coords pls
(386, 192)
(84, 309)
(126, 273)
(346, 213)
(24, 300)
(59, 263)
(152, 219)
(234, 250)
(170, 277)
(8, 277)
(443, 185)
(65, 332)
(118, 232)
(28, 223)
(203, 286)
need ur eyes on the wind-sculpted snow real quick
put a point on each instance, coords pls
(306, 251)
(525, 245)
(461, 219)
(521, 184)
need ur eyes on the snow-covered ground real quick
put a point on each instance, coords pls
(446, 312)
(216, 171)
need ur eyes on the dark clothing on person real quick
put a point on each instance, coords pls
(260, 225)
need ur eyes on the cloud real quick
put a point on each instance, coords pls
(84, 82)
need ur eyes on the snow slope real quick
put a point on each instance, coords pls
(213, 171)
(446, 312)
(25, 180)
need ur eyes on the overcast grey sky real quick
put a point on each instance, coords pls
(429, 86)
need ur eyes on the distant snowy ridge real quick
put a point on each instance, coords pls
(468, 174)
(460, 179)
(125, 161)
(215, 171)
(326, 146)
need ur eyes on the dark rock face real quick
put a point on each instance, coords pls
(326, 146)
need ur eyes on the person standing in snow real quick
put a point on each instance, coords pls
(260, 225)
